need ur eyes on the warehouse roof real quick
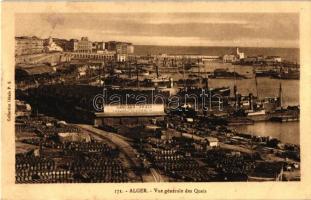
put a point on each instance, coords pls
(211, 139)
(127, 114)
(132, 110)
(35, 69)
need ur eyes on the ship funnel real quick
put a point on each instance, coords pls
(157, 71)
(235, 90)
(206, 83)
(171, 82)
(239, 100)
(235, 96)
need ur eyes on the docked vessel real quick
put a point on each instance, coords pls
(259, 115)
(236, 121)
(222, 91)
(288, 74)
(225, 73)
(265, 73)
(285, 118)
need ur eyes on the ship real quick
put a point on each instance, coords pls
(225, 73)
(236, 121)
(159, 79)
(288, 74)
(257, 115)
(265, 73)
(222, 91)
(285, 118)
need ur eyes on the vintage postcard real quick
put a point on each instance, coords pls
(155, 100)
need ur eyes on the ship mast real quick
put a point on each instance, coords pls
(256, 83)
(235, 90)
(137, 74)
(102, 70)
(183, 67)
(157, 70)
(129, 69)
(199, 72)
(280, 95)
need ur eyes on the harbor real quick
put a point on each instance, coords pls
(166, 138)
(105, 110)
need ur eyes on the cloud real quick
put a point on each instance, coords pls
(197, 41)
(54, 20)
(204, 21)
(246, 29)
(111, 32)
(175, 19)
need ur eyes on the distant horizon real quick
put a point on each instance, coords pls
(164, 45)
(219, 46)
(290, 54)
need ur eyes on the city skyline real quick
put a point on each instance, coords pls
(168, 29)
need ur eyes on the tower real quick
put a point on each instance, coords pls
(50, 41)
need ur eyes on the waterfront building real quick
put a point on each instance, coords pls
(250, 59)
(273, 59)
(118, 47)
(121, 57)
(130, 48)
(129, 115)
(100, 55)
(28, 45)
(81, 46)
(240, 55)
(52, 46)
(188, 57)
(63, 43)
(234, 57)
(72, 45)
(211, 58)
(98, 47)
(84, 45)
(229, 58)
(122, 49)
(212, 141)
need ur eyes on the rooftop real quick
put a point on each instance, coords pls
(34, 69)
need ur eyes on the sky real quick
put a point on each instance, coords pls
(171, 29)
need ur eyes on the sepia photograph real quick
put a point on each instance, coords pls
(157, 97)
(155, 100)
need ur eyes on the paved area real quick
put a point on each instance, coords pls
(122, 143)
(221, 145)
(156, 175)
